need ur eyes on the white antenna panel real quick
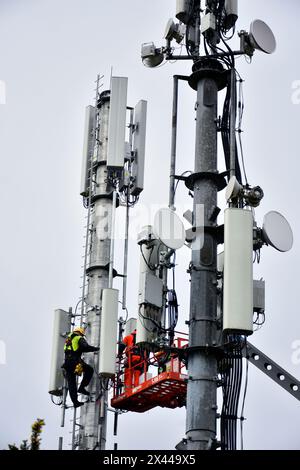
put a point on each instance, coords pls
(238, 272)
(88, 148)
(117, 122)
(61, 326)
(149, 315)
(139, 144)
(109, 326)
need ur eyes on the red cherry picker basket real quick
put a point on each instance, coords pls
(166, 387)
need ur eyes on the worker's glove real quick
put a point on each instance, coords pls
(78, 369)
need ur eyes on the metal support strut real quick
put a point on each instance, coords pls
(272, 370)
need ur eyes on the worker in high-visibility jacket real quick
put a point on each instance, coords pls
(75, 346)
(134, 365)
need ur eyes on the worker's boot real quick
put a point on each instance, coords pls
(83, 391)
(78, 403)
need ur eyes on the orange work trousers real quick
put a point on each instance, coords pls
(132, 374)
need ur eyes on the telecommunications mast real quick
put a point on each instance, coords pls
(112, 177)
(223, 297)
(226, 303)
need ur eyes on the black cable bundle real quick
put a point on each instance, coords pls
(188, 26)
(172, 314)
(228, 61)
(231, 369)
(172, 317)
(126, 198)
(225, 133)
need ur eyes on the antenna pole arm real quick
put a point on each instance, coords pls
(272, 370)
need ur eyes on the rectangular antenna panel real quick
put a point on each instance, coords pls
(238, 271)
(117, 122)
(139, 143)
(88, 149)
(61, 327)
(108, 336)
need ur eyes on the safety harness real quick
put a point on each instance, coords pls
(72, 345)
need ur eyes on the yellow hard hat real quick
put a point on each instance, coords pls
(79, 330)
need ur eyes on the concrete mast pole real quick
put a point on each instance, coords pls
(202, 368)
(93, 420)
(201, 419)
(202, 360)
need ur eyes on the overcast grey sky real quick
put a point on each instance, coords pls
(50, 54)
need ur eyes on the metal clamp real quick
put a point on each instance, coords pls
(218, 178)
(192, 267)
(213, 320)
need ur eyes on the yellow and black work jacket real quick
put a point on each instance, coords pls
(76, 345)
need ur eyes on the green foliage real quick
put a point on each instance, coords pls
(35, 439)
(36, 429)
